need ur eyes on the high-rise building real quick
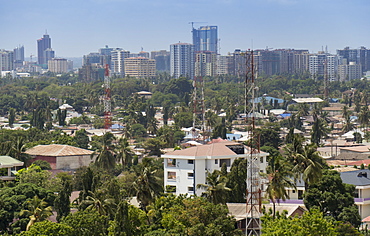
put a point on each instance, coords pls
(6, 60)
(139, 67)
(349, 71)
(58, 65)
(360, 56)
(205, 63)
(182, 60)
(323, 64)
(118, 61)
(205, 39)
(106, 55)
(19, 53)
(42, 45)
(162, 60)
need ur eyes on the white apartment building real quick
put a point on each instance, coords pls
(185, 169)
(6, 60)
(182, 60)
(349, 71)
(118, 61)
(205, 63)
(323, 64)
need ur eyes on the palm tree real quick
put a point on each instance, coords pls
(303, 109)
(104, 154)
(279, 175)
(363, 116)
(38, 210)
(215, 188)
(147, 185)
(124, 152)
(308, 163)
(348, 125)
(319, 130)
(102, 206)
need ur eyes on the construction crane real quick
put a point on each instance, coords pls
(107, 100)
(254, 190)
(194, 22)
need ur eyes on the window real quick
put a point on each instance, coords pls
(191, 189)
(227, 161)
(300, 194)
(190, 175)
(171, 175)
(170, 189)
(190, 162)
(261, 159)
(171, 162)
(216, 161)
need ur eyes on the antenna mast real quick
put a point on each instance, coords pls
(254, 191)
(107, 99)
(198, 104)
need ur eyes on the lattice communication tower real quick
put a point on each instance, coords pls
(254, 190)
(107, 99)
(198, 104)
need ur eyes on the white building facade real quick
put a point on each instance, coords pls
(118, 61)
(182, 60)
(185, 169)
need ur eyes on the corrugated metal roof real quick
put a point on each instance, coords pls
(57, 150)
(7, 161)
(357, 177)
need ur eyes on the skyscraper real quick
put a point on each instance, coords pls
(42, 45)
(205, 39)
(118, 61)
(182, 60)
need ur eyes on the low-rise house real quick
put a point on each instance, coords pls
(11, 165)
(238, 211)
(361, 179)
(61, 157)
(185, 169)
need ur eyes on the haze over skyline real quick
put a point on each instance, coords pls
(83, 26)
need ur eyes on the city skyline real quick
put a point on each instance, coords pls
(80, 27)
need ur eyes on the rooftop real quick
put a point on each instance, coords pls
(7, 161)
(221, 148)
(357, 177)
(57, 150)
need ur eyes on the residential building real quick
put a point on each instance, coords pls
(139, 67)
(185, 169)
(349, 71)
(92, 57)
(182, 60)
(11, 164)
(6, 60)
(58, 65)
(118, 59)
(43, 44)
(360, 56)
(205, 63)
(360, 179)
(205, 39)
(61, 157)
(223, 65)
(18, 56)
(162, 60)
(106, 55)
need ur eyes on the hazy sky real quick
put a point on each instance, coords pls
(78, 27)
